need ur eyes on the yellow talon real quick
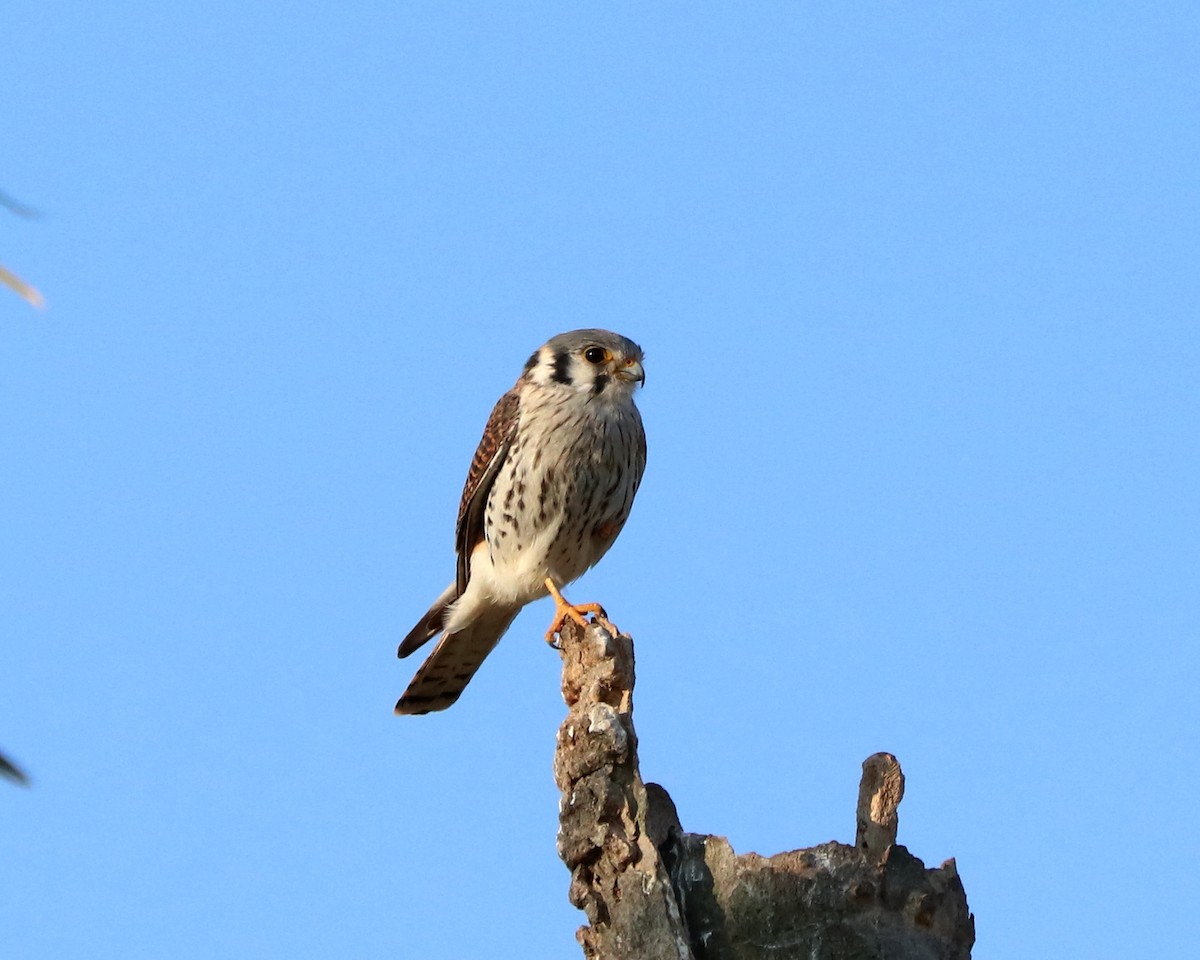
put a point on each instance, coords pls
(564, 611)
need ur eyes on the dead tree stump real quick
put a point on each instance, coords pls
(650, 890)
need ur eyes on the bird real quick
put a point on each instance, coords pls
(549, 489)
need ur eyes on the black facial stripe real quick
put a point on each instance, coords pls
(562, 366)
(532, 361)
(601, 383)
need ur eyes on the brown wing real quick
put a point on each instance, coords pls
(489, 457)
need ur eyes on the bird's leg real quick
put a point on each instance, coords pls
(564, 611)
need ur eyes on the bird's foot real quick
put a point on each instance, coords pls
(564, 611)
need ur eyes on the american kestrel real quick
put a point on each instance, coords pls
(549, 489)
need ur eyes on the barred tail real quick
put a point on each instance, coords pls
(446, 673)
(430, 625)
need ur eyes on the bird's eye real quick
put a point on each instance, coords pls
(595, 354)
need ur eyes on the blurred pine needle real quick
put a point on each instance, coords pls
(29, 293)
(10, 770)
(22, 289)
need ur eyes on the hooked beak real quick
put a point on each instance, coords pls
(632, 371)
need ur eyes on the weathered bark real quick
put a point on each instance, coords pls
(650, 890)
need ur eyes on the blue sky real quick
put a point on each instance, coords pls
(918, 291)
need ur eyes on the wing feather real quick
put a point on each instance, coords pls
(489, 457)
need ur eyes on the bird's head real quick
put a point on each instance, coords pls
(594, 362)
